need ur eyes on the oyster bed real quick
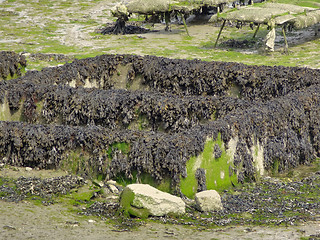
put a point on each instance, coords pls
(11, 64)
(178, 76)
(126, 115)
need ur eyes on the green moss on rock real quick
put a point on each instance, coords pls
(217, 172)
(127, 197)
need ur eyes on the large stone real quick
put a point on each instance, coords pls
(208, 201)
(142, 200)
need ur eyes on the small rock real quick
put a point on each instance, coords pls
(105, 191)
(9, 227)
(73, 223)
(91, 221)
(97, 183)
(209, 200)
(28, 169)
(111, 182)
(113, 189)
(112, 198)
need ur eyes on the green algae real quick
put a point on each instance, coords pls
(127, 198)
(217, 172)
(77, 162)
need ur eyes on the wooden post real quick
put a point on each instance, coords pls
(167, 20)
(256, 31)
(184, 23)
(222, 26)
(285, 40)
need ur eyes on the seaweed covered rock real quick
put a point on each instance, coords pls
(93, 150)
(115, 109)
(275, 135)
(178, 76)
(11, 65)
(221, 123)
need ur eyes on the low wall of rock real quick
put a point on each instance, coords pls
(178, 125)
(178, 76)
(281, 133)
(113, 108)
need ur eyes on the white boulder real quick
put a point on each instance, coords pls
(143, 200)
(209, 200)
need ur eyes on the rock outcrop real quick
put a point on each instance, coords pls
(142, 200)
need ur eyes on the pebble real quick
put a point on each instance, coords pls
(7, 227)
(113, 189)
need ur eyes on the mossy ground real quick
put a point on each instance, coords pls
(291, 195)
(45, 28)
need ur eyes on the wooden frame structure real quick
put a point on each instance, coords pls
(274, 15)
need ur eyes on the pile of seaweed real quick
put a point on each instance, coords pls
(128, 28)
(179, 76)
(232, 43)
(155, 131)
(11, 64)
(113, 108)
(17, 190)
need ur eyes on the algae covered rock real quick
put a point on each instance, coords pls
(142, 200)
(209, 200)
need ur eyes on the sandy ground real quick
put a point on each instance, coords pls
(70, 29)
(26, 221)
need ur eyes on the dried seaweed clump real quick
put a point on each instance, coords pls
(11, 65)
(128, 28)
(49, 186)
